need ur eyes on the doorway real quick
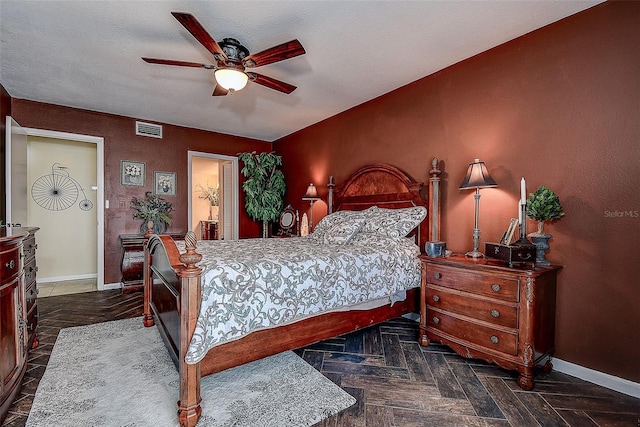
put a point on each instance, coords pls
(213, 174)
(77, 155)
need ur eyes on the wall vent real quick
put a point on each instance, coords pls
(148, 129)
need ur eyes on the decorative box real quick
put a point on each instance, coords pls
(517, 253)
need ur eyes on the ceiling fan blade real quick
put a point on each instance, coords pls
(219, 91)
(271, 83)
(178, 63)
(277, 53)
(193, 26)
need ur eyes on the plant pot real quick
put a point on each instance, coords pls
(541, 241)
(214, 212)
(159, 227)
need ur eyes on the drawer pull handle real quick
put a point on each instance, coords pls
(495, 313)
(11, 264)
(524, 256)
(437, 275)
(436, 298)
(436, 320)
(494, 339)
(495, 287)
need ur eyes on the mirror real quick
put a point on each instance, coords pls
(287, 220)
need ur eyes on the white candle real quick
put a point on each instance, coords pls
(523, 192)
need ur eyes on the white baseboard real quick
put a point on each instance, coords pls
(65, 278)
(597, 377)
(109, 286)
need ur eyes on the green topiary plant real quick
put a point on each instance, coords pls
(544, 205)
(263, 188)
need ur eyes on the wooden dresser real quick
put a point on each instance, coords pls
(502, 315)
(18, 309)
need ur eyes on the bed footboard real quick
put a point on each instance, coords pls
(172, 300)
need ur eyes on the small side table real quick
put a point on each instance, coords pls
(132, 261)
(209, 230)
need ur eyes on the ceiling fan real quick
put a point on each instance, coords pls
(232, 58)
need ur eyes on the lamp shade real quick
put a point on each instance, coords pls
(311, 194)
(477, 176)
(231, 79)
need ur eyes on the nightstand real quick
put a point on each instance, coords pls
(498, 314)
(209, 230)
(131, 264)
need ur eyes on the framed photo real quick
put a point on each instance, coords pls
(164, 183)
(507, 237)
(132, 173)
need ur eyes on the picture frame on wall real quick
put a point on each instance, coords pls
(132, 173)
(164, 183)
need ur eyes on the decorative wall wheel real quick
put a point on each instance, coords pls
(58, 191)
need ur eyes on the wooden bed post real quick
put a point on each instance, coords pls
(147, 318)
(434, 200)
(189, 409)
(331, 185)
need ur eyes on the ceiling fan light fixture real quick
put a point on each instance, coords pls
(231, 79)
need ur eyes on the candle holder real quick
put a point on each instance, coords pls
(522, 240)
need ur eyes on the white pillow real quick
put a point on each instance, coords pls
(393, 222)
(335, 218)
(342, 233)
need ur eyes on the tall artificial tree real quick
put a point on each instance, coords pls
(264, 187)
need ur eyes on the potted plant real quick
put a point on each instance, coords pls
(152, 208)
(543, 205)
(263, 188)
(213, 196)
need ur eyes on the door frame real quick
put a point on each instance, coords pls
(233, 200)
(99, 141)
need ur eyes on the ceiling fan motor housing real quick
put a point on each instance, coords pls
(234, 50)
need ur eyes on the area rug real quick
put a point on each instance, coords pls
(120, 374)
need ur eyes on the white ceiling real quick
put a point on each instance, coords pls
(86, 54)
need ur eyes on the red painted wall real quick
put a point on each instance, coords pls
(121, 143)
(559, 106)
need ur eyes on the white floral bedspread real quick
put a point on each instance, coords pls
(254, 284)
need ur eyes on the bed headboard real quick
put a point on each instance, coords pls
(382, 185)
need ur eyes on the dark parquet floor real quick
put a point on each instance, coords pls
(396, 382)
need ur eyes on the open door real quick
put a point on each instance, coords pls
(228, 201)
(16, 173)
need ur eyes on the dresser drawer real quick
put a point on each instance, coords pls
(10, 264)
(29, 248)
(487, 337)
(504, 288)
(30, 271)
(31, 295)
(488, 310)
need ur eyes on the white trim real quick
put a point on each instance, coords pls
(66, 278)
(99, 141)
(600, 378)
(109, 286)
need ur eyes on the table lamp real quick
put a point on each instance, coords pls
(477, 177)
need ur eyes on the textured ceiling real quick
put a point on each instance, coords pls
(86, 54)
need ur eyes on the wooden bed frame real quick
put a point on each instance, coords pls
(172, 291)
